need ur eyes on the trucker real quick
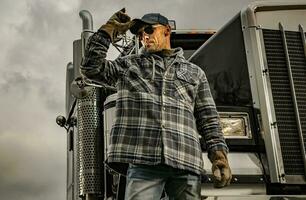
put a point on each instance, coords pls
(163, 102)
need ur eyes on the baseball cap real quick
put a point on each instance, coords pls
(150, 18)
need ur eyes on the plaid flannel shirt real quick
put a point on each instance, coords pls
(164, 103)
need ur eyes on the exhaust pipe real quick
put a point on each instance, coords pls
(87, 28)
(86, 20)
(89, 126)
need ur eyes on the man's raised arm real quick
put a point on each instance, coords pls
(95, 65)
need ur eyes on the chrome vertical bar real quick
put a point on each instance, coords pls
(302, 139)
(86, 20)
(303, 38)
(69, 78)
(87, 25)
(296, 109)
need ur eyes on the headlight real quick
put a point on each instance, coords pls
(235, 125)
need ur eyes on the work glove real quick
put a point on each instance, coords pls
(221, 171)
(118, 24)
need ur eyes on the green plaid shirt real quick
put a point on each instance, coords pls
(164, 104)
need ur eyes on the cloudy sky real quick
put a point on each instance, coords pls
(36, 45)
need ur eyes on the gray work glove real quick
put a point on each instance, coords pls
(221, 171)
(118, 24)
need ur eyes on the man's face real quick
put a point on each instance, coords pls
(154, 37)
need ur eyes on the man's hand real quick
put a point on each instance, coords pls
(118, 24)
(221, 171)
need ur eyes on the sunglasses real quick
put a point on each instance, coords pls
(149, 29)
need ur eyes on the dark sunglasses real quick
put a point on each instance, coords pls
(149, 29)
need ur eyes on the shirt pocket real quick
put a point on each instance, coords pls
(185, 84)
(136, 81)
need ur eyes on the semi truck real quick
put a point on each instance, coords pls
(256, 68)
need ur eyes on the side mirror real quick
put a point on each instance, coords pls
(61, 120)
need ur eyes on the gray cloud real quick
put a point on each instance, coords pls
(32, 147)
(28, 169)
(14, 80)
(22, 86)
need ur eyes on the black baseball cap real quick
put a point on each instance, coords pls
(150, 18)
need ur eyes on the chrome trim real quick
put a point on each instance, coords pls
(234, 192)
(258, 6)
(77, 58)
(69, 79)
(303, 38)
(260, 93)
(273, 125)
(86, 19)
(295, 179)
(87, 30)
(251, 55)
(293, 94)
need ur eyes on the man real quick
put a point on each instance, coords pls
(163, 104)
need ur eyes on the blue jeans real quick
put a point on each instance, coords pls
(146, 182)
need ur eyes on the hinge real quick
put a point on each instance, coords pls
(265, 72)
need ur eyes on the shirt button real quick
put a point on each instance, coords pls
(164, 92)
(164, 108)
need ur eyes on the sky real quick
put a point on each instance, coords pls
(36, 44)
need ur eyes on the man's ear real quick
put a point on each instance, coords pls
(167, 30)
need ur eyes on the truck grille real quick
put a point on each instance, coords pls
(282, 96)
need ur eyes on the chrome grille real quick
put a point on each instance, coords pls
(282, 95)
